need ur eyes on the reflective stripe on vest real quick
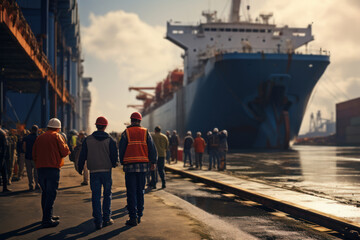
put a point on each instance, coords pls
(137, 149)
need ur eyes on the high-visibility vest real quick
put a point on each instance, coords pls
(137, 149)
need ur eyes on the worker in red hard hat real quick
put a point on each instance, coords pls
(100, 153)
(137, 154)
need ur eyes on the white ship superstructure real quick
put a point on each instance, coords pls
(203, 41)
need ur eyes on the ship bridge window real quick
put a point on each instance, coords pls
(255, 30)
(299, 34)
(213, 29)
(206, 29)
(262, 30)
(221, 29)
(269, 30)
(277, 33)
(178, 32)
(248, 30)
(241, 30)
(228, 30)
(235, 30)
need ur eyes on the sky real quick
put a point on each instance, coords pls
(123, 45)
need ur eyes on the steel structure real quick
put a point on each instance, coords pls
(40, 64)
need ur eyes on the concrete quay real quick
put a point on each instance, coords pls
(340, 217)
(21, 213)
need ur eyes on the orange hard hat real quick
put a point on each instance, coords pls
(101, 121)
(136, 115)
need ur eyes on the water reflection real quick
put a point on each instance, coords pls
(327, 171)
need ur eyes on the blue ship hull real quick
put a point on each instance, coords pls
(260, 99)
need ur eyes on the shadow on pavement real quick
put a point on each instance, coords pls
(15, 193)
(22, 231)
(112, 233)
(79, 231)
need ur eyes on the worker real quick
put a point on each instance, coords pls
(79, 140)
(214, 149)
(161, 144)
(199, 146)
(48, 154)
(174, 144)
(31, 170)
(12, 156)
(137, 154)
(100, 153)
(168, 152)
(223, 148)
(3, 150)
(188, 144)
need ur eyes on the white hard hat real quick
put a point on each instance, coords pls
(54, 123)
(209, 133)
(225, 132)
(188, 133)
(216, 130)
(198, 133)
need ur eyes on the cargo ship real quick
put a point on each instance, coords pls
(248, 77)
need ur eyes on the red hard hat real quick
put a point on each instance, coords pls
(101, 121)
(136, 115)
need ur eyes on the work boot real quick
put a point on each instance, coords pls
(109, 222)
(55, 218)
(131, 222)
(98, 225)
(139, 220)
(49, 224)
(6, 190)
(163, 185)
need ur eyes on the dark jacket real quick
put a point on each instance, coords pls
(29, 140)
(188, 142)
(3, 146)
(214, 141)
(174, 140)
(152, 154)
(103, 152)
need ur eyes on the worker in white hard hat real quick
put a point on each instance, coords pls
(188, 144)
(214, 141)
(49, 151)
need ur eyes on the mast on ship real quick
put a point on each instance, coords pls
(234, 11)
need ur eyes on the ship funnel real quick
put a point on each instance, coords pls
(234, 11)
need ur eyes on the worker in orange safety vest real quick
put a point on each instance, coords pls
(137, 154)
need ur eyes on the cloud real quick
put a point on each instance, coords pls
(122, 50)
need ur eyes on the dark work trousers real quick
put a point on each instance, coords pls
(3, 172)
(135, 185)
(160, 167)
(198, 160)
(49, 183)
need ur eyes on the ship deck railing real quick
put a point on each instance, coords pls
(309, 51)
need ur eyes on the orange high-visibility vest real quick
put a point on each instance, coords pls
(137, 149)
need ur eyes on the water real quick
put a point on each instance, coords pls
(331, 172)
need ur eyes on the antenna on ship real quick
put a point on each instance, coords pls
(234, 11)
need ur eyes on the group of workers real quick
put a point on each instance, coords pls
(140, 152)
(215, 143)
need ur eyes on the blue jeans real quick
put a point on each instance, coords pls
(214, 158)
(49, 183)
(97, 180)
(187, 153)
(135, 185)
(160, 167)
